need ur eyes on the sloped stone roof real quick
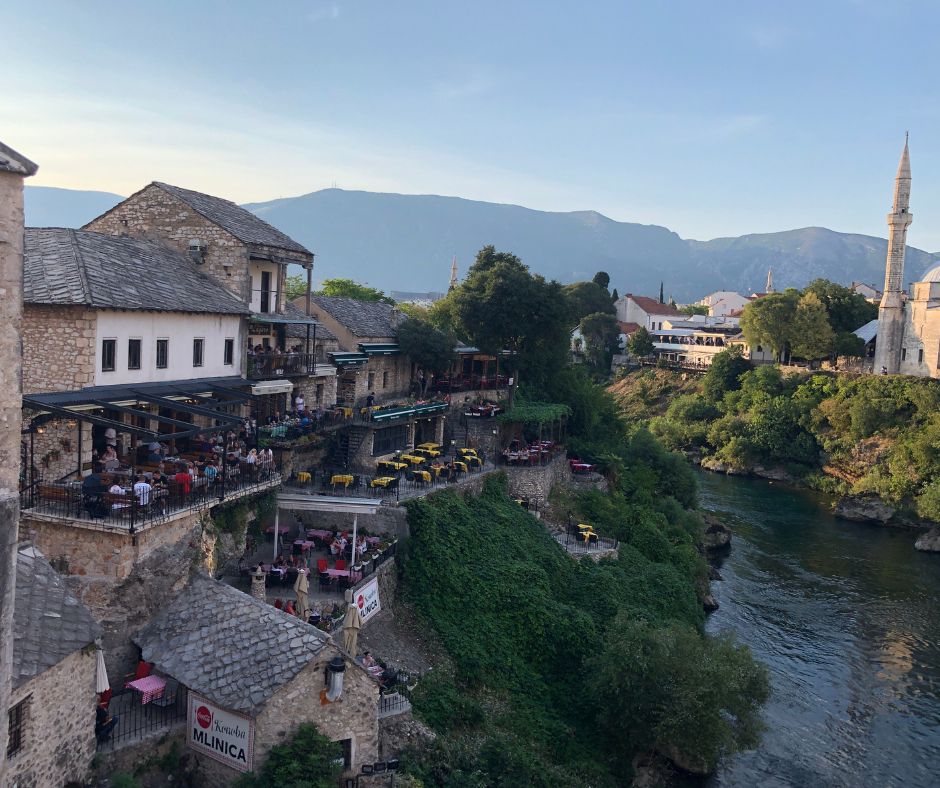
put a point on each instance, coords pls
(234, 219)
(362, 318)
(11, 161)
(229, 647)
(49, 623)
(300, 332)
(63, 266)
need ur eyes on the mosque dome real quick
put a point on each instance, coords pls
(933, 275)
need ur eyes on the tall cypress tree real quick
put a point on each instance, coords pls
(661, 293)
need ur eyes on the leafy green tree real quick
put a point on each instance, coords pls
(848, 344)
(295, 286)
(847, 309)
(724, 373)
(427, 346)
(602, 279)
(813, 337)
(587, 298)
(350, 289)
(769, 320)
(641, 343)
(694, 309)
(501, 305)
(601, 336)
(308, 760)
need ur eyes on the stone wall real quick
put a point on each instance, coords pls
(58, 348)
(535, 482)
(156, 214)
(55, 449)
(307, 386)
(390, 377)
(59, 741)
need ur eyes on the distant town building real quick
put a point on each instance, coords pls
(869, 292)
(418, 299)
(722, 303)
(647, 312)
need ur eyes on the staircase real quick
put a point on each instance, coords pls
(347, 444)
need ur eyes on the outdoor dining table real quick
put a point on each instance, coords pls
(432, 446)
(429, 452)
(281, 529)
(414, 460)
(346, 412)
(149, 687)
(304, 544)
(341, 478)
(467, 452)
(426, 475)
(462, 466)
(318, 533)
(391, 465)
(337, 572)
(382, 481)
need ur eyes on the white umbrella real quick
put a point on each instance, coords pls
(101, 674)
(302, 588)
(351, 625)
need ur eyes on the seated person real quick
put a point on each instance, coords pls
(110, 459)
(104, 723)
(116, 489)
(211, 472)
(184, 480)
(142, 491)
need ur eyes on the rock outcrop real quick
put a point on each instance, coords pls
(711, 464)
(930, 541)
(717, 535)
(864, 509)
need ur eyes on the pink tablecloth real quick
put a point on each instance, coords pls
(149, 687)
(313, 532)
(337, 572)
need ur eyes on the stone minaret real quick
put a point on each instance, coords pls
(891, 311)
(453, 274)
(13, 169)
(769, 288)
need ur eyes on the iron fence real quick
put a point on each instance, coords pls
(134, 720)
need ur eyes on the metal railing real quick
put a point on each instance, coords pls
(134, 720)
(129, 512)
(273, 365)
(449, 383)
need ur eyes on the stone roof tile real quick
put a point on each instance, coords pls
(11, 161)
(362, 318)
(229, 647)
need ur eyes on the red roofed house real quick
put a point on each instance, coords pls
(644, 311)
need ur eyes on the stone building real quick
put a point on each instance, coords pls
(249, 258)
(648, 312)
(906, 335)
(14, 167)
(262, 671)
(51, 718)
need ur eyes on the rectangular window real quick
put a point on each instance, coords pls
(265, 291)
(163, 353)
(370, 382)
(920, 356)
(389, 440)
(385, 380)
(108, 354)
(229, 357)
(903, 354)
(133, 354)
(199, 345)
(18, 717)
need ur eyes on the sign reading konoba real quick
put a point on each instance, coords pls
(224, 735)
(367, 600)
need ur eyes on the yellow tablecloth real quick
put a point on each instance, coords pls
(426, 475)
(383, 481)
(341, 478)
(367, 411)
(347, 412)
(303, 477)
(471, 452)
(429, 452)
(413, 459)
(460, 465)
(472, 459)
(392, 465)
(428, 446)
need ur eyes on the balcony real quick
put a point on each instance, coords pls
(264, 366)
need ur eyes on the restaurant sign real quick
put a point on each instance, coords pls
(367, 600)
(221, 734)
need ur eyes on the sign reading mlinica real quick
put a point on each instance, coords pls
(224, 735)
(367, 600)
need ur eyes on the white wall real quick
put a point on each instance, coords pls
(628, 311)
(255, 268)
(180, 329)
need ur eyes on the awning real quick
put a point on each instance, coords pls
(271, 387)
(345, 359)
(264, 317)
(379, 348)
(408, 411)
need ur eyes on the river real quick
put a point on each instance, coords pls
(847, 619)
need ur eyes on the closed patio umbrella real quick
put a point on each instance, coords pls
(101, 674)
(351, 625)
(302, 588)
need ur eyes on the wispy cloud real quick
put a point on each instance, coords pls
(324, 12)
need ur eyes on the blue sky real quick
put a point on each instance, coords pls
(712, 118)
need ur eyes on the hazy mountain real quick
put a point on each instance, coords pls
(406, 242)
(49, 207)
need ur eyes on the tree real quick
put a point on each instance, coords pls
(601, 336)
(813, 337)
(641, 343)
(847, 309)
(427, 346)
(295, 286)
(848, 344)
(602, 279)
(501, 305)
(309, 760)
(694, 309)
(661, 299)
(615, 297)
(724, 373)
(587, 298)
(350, 289)
(769, 320)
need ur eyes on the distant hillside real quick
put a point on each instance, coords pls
(406, 242)
(49, 207)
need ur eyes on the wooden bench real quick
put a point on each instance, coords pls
(52, 492)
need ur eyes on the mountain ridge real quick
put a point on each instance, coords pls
(406, 242)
